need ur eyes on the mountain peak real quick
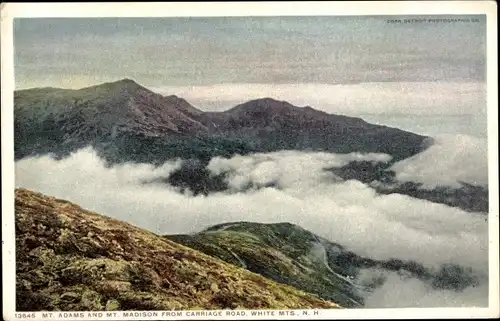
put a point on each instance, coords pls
(122, 84)
(268, 101)
(125, 82)
(262, 105)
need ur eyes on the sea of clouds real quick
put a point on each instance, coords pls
(293, 186)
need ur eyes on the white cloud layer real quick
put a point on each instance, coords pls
(450, 160)
(285, 168)
(346, 212)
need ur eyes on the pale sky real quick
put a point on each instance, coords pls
(157, 52)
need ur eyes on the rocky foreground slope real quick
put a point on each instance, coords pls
(68, 258)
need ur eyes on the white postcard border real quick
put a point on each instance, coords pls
(11, 10)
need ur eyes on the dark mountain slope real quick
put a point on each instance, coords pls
(112, 107)
(61, 120)
(272, 125)
(71, 259)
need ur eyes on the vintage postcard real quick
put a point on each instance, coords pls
(244, 161)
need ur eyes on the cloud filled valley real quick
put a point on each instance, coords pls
(299, 188)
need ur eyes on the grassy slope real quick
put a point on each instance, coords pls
(282, 252)
(68, 258)
(291, 255)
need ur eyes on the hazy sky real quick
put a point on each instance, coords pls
(75, 52)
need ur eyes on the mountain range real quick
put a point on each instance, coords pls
(127, 122)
